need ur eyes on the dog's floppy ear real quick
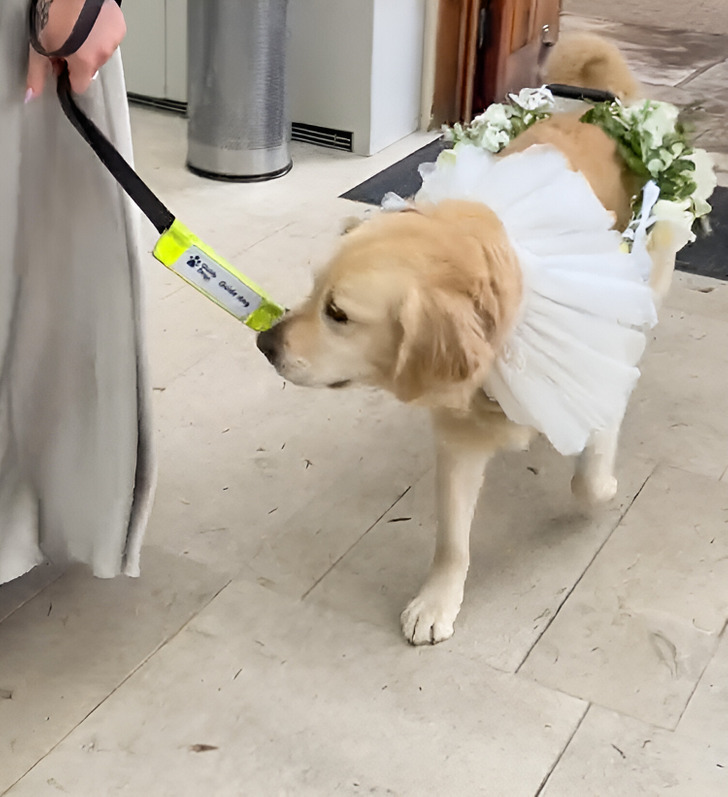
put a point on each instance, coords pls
(454, 322)
(445, 343)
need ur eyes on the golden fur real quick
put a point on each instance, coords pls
(428, 294)
(588, 61)
(419, 302)
(590, 151)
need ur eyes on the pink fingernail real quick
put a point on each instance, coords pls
(29, 95)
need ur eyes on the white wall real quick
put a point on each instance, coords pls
(398, 43)
(354, 65)
(329, 65)
(155, 48)
(144, 49)
(176, 48)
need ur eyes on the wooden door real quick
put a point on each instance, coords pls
(513, 44)
(487, 48)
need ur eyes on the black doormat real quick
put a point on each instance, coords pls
(708, 256)
(401, 177)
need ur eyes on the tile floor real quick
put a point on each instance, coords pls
(260, 654)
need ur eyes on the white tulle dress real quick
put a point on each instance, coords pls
(570, 364)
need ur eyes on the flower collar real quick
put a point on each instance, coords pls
(649, 137)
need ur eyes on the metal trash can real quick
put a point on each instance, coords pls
(239, 127)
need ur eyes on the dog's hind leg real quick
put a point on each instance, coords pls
(594, 481)
(461, 461)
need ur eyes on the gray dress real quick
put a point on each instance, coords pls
(76, 471)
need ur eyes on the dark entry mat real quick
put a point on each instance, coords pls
(401, 177)
(708, 256)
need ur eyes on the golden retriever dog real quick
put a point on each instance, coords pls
(419, 302)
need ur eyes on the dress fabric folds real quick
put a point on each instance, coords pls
(76, 464)
(569, 366)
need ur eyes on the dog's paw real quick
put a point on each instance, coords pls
(593, 491)
(429, 618)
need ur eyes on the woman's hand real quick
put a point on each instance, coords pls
(101, 44)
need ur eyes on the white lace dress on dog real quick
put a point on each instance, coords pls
(570, 364)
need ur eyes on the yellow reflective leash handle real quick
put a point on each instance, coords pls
(185, 254)
(178, 248)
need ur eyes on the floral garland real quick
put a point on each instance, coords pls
(649, 138)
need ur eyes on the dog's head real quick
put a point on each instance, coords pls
(414, 302)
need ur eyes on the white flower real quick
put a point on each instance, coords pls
(493, 139)
(654, 166)
(637, 111)
(495, 115)
(705, 180)
(662, 161)
(449, 133)
(534, 99)
(660, 120)
(667, 158)
(679, 217)
(447, 156)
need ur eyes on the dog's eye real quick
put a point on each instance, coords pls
(335, 314)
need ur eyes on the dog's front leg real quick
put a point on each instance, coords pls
(461, 461)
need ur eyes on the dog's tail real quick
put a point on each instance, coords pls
(589, 61)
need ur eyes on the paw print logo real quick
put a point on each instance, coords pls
(203, 269)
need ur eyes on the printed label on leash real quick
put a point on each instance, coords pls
(217, 282)
(184, 253)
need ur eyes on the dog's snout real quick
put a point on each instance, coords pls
(269, 343)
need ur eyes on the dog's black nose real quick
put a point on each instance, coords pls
(268, 343)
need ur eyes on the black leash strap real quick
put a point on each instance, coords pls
(128, 179)
(81, 29)
(180, 250)
(578, 93)
(152, 207)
